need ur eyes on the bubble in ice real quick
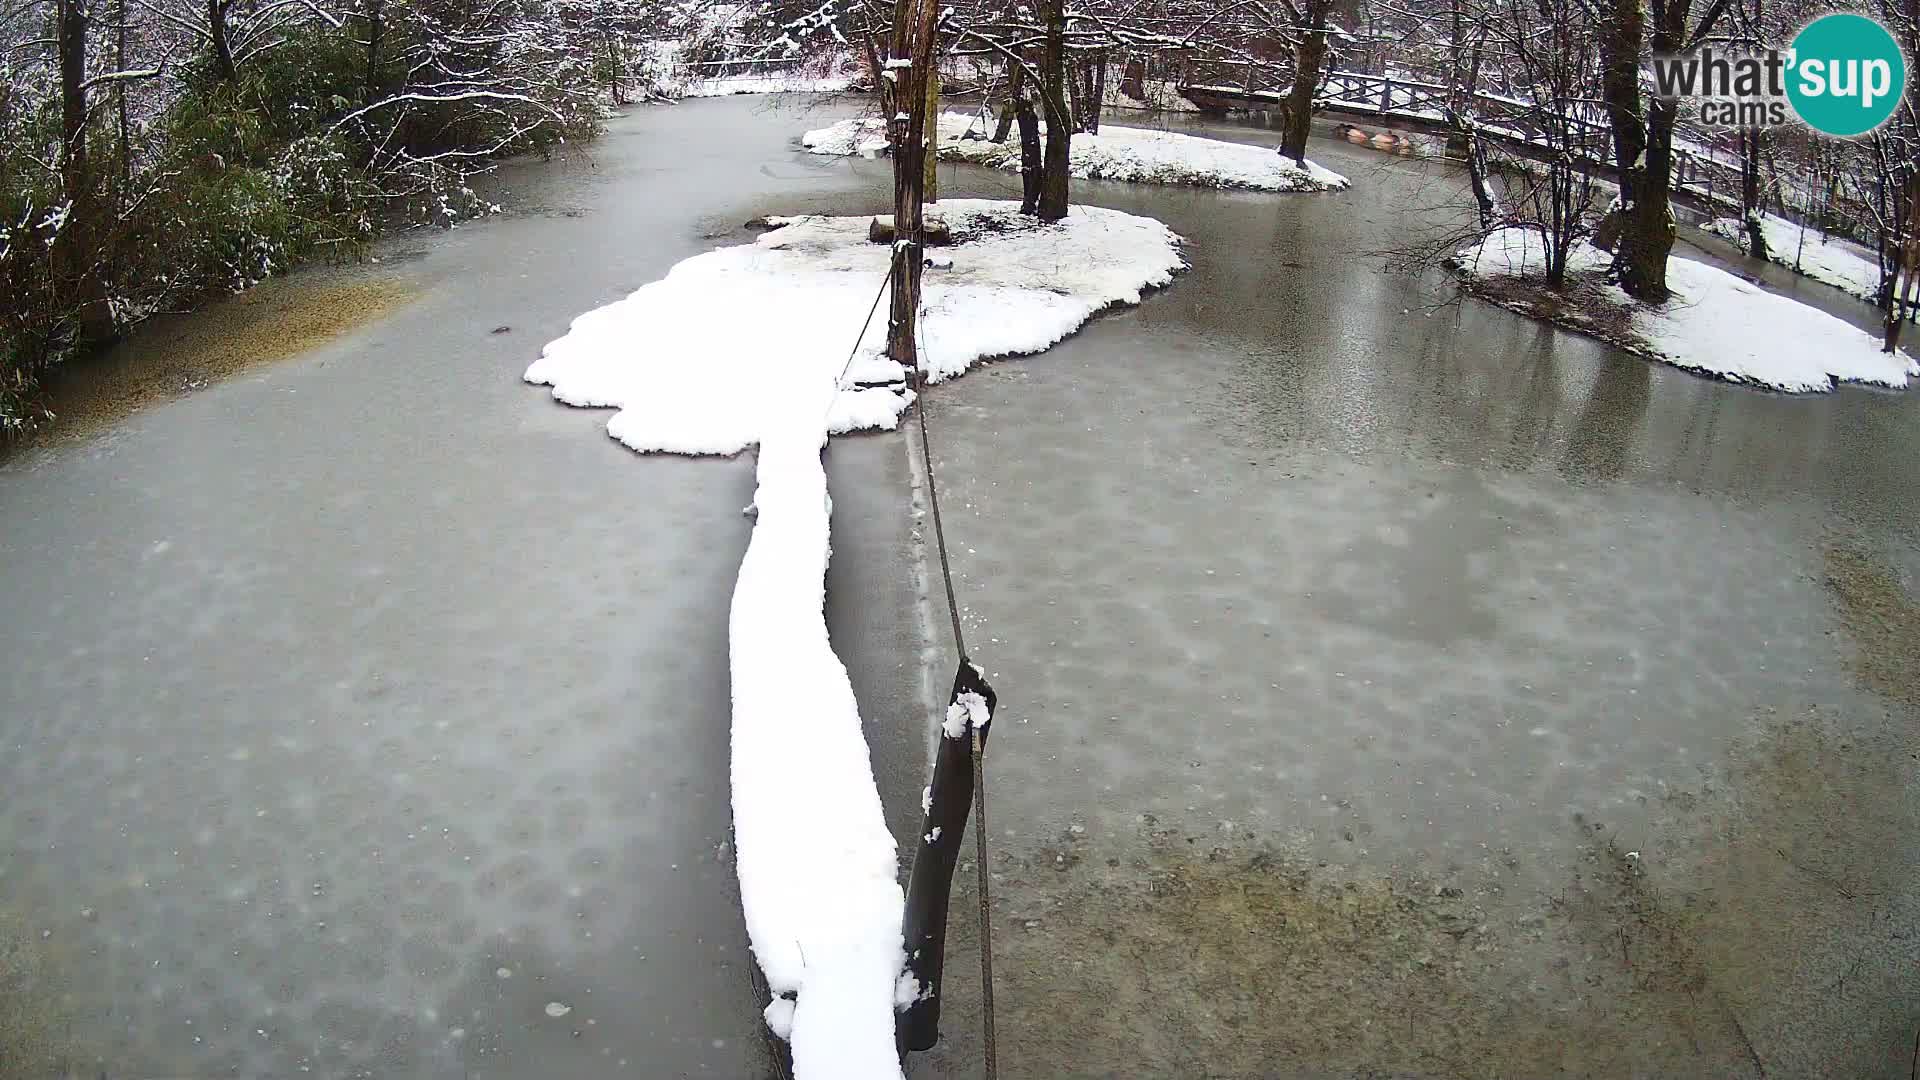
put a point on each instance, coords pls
(503, 973)
(557, 1010)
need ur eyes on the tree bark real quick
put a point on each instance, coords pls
(1750, 201)
(912, 41)
(1646, 225)
(125, 142)
(1621, 40)
(1901, 289)
(1076, 94)
(1016, 80)
(376, 35)
(223, 67)
(1310, 53)
(75, 251)
(931, 77)
(1031, 162)
(1054, 179)
(1643, 148)
(1099, 96)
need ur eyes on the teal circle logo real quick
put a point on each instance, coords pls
(1847, 75)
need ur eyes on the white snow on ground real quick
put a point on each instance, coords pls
(1141, 155)
(1841, 263)
(1717, 323)
(697, 362)
(765, 84)
(744, 346)
(817, 865)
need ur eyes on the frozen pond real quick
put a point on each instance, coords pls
(1400, 689)
(366, 715)
(1385, 686)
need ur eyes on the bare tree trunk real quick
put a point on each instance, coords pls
(1054, 180)
(1901, 290)
(1310, 54)
(1031, 162)
(1644, 155)
(876, 71)
(1016, 77)
(1464, 77)
(376, 36)
(223, 66)
(932, 79)
(613, 71)
(1750, 201)
(1076, 94)
(76, 248)
(1487, 205)
(1647, 228)
(1097, 99)
(125, 157)
(913, 34)
(1621, 40)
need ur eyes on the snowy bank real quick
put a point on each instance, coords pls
(745, 346)
(1716, 324)
(1830, 260)
(1139, 155)
(724, 85)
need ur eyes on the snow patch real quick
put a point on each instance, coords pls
(746, 346)
(1831, 260)
(1716, 323)
(965, 713)
(725, 85)
(779, 1015)
(723, 347)
(908, 989)
(1140, 155)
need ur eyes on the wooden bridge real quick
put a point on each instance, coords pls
(1708, 183)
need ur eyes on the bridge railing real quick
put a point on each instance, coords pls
(1512, 120)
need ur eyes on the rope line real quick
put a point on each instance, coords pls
(986, 917)
(834, 398)
(984, 884)
(933, 500)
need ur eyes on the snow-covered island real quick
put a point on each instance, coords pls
(749, 345)
(1716, 323)
(1139, 155)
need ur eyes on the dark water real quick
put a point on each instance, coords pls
(332, 692)
(1396, 686)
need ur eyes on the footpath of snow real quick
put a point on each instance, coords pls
(1716, 323)
(1140, 155)
(744, 346)
(1841, 263)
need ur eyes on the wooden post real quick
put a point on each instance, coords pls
(930, 882)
